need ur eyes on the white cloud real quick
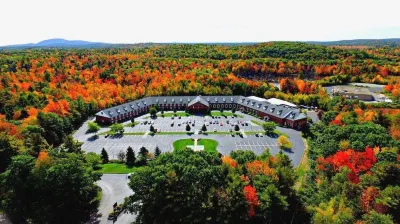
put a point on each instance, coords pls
(130, 21)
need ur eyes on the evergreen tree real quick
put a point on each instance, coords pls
(204, 128)
(104, 156)
(187, 127)
(157, 152)
(130, 156)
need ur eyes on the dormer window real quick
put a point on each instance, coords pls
(253, 103)
(293, 115)
(223, 99)
(248, 101)
(188, 99)
(157, 100)
(279, 112)
(216, 99)
(180, 99)
(272, 109)
(132, 106)
(208, 99)
(110, 112)
(173, 100)
(165, 100)
(243, 100)
(126, 109)
(231, 99)
(265, 107)
(118, 111)
(259, 105)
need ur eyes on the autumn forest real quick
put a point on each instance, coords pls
(350, 172)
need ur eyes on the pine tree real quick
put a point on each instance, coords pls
(104, 156)
(204, 128)
(130, 156)
(157, 152)
(187, 127)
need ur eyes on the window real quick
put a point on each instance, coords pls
(279, 112)
(208, 99)
(118, 111)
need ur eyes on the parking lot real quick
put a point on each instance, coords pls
(176, 124)
(226, 142)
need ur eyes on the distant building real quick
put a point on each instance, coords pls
(353, 92)
(280, 102)
(282, 114)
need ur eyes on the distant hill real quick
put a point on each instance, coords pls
(59, 43)
(359, 42)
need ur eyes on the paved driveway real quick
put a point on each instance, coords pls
(115, 188)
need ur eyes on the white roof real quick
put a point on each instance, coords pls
(257, 98)
(276, 101)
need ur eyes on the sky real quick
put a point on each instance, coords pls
(166, 21)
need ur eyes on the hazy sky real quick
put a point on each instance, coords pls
(131, 21)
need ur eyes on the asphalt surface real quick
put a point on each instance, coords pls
(226, 143)
(115, 188)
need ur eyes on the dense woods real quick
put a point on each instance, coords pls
(353, 170)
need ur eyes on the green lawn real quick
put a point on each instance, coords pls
(209, 144)
(180, 113)
(116, 168)
(227, 113)
(131, 124)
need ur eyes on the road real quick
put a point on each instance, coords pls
(115, 188)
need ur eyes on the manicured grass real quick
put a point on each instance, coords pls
(125, 133)
(170, 114)
(131, 124)
(226, 113)
(116, 168)
(276, 131)
(256, 122)
(174, 133)
(209, 144)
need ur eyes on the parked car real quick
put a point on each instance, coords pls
(260, 134)
(257, 134)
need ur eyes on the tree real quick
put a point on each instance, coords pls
(284, 142)
(121, 156)
(133, 122)
(172, 197)
(153, 111)
(233, 110)
(269, 127)
(203, 128)
(130, 156)
(104, 156)
(157, 152)
(54, 127)
(152, 129)
(142, 156)
(9, 147)
(222, 111)
(72, 145)
(93, 127)
(187, 127)
(243, 156)
(117, 129)
(93, 159)
(27, 184)
(237, 128)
